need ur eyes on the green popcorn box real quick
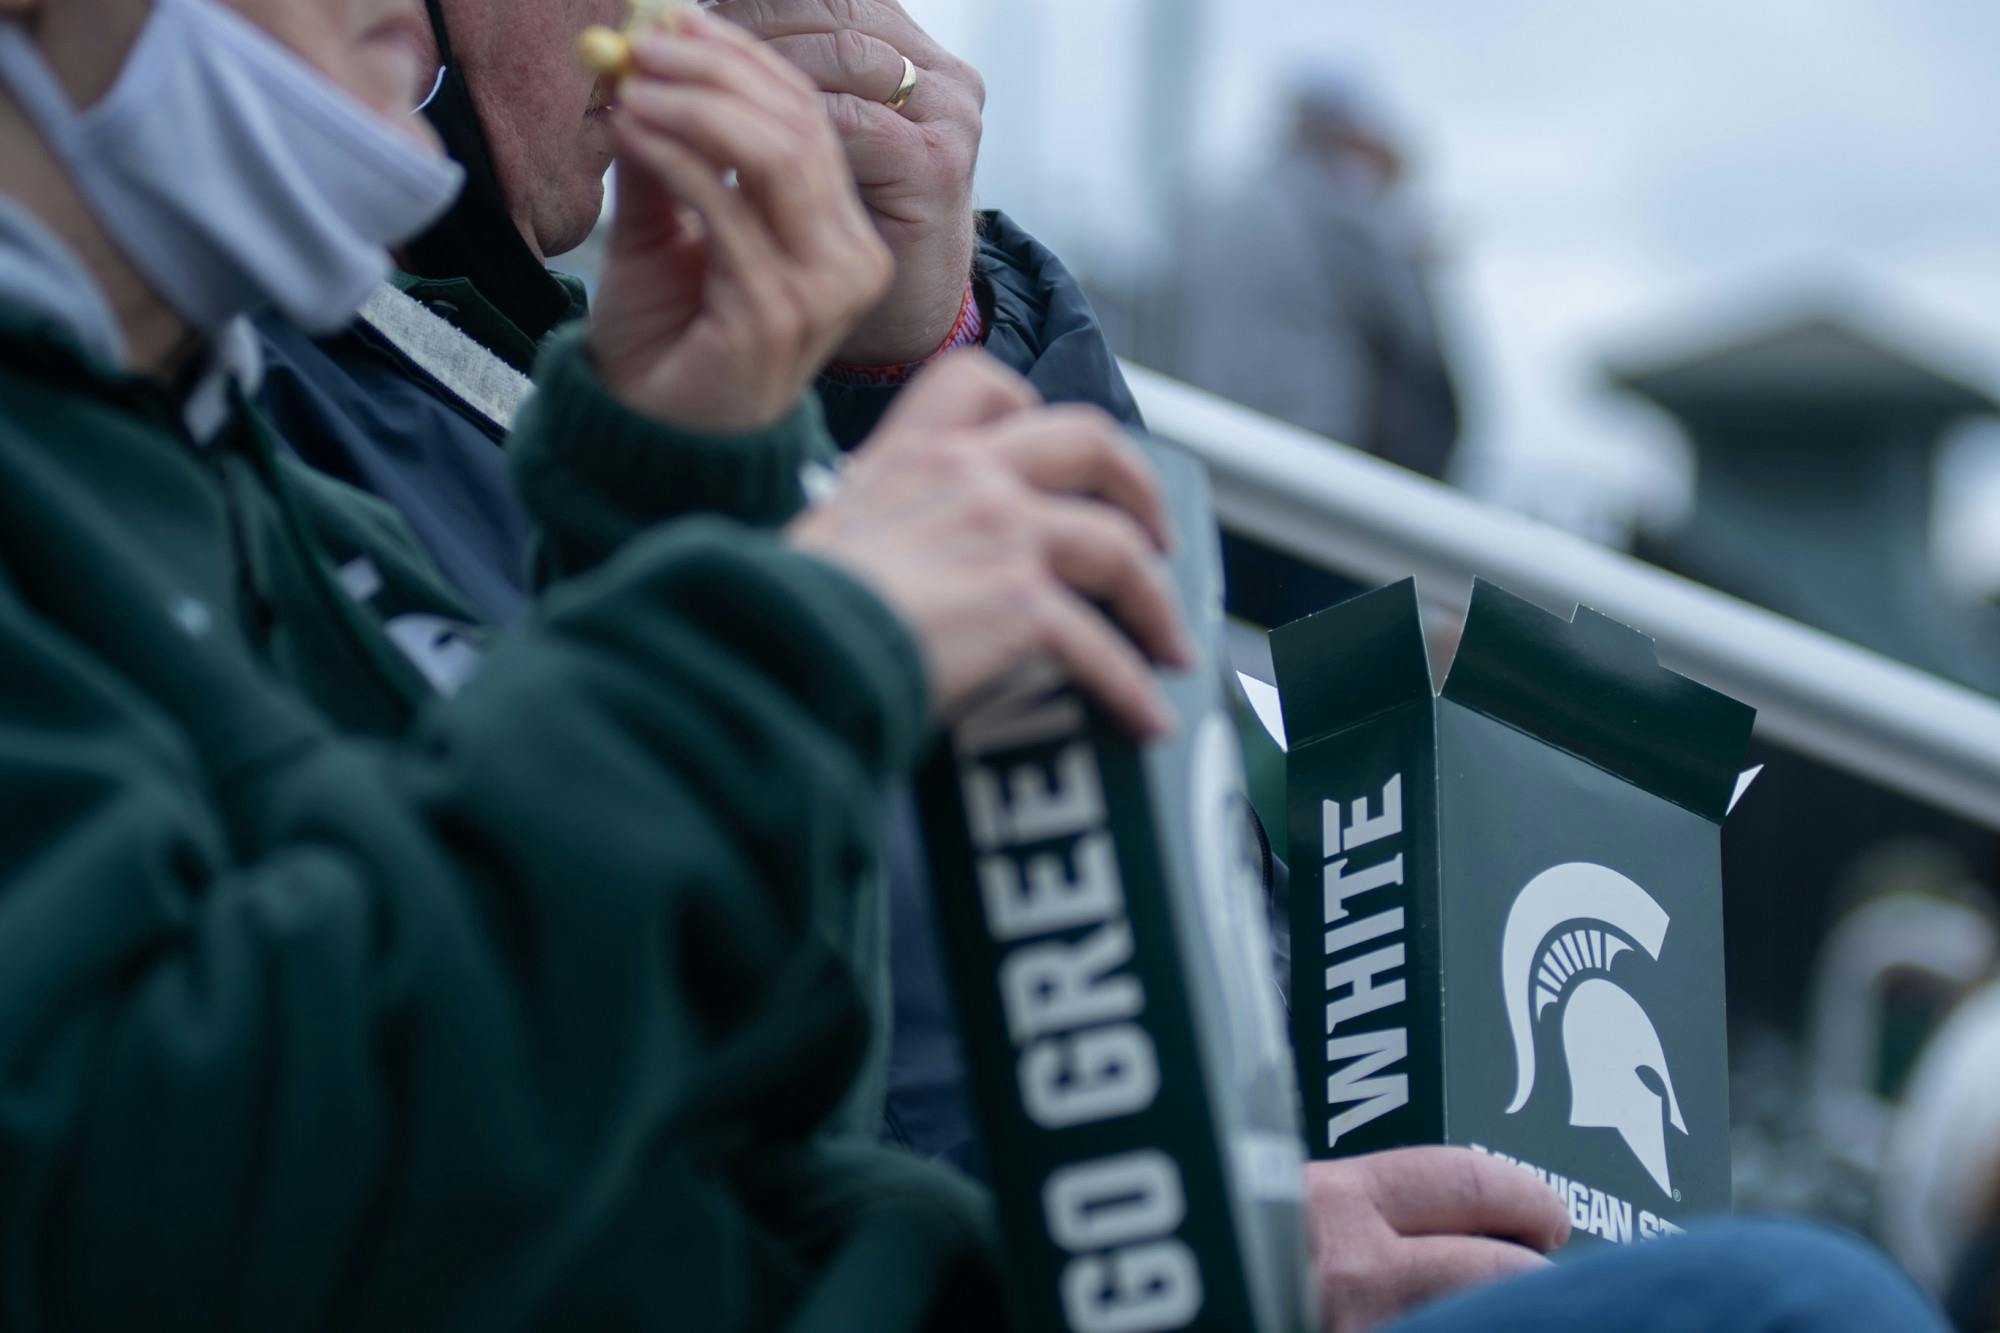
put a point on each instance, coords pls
(1101, 913)
(1506, 907)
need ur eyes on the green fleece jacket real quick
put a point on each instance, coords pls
(329, 1000)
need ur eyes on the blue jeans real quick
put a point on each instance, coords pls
(1732, 1277)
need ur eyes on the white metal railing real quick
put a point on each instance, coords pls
(1819, 695)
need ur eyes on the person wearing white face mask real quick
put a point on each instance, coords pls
(341, 985)
(209, 138)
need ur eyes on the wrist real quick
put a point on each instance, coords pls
(698, 403)
(923, 304)
(968, 329)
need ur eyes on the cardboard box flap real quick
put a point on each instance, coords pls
(1349, 662)
(1595, 688)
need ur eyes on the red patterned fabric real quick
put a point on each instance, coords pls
(968, 331)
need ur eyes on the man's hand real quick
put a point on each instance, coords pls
(995, 527)
(720, 302)
(914, 166)
(1395, 1230)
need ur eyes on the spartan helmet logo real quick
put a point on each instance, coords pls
(1606, 1037)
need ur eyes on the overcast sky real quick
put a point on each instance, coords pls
(1606, 177)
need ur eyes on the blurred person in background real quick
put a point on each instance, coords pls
(1939, 1199)
(1305, 284)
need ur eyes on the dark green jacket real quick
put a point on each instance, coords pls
(388, 407)
(326, 1001)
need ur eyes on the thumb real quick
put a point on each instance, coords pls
(1427, 1268)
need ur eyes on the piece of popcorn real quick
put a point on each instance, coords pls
(608, 52)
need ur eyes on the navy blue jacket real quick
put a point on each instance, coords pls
(355, 407)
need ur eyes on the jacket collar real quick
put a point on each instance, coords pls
(461, 303)
(477, 238)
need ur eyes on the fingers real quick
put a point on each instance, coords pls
(1102, 663)
(879, 143)
(882, 19)
(731, 133)
(845, 60)
(730, 225)
(703, 50)
(726, 105)
(856, 48)
(1061, 502)
(644, 207)
(1427, 1268)
(962, 389)
(1438, 1191)
(1105, 555)
(1083, 451)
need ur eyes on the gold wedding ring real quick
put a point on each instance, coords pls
(906, 89)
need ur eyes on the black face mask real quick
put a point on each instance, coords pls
(477, 238)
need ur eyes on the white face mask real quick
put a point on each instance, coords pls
(231, 173)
